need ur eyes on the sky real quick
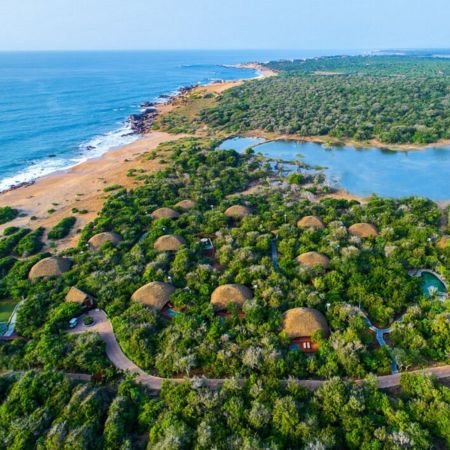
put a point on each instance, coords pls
(223, 24)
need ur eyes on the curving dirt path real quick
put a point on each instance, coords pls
(104, 328)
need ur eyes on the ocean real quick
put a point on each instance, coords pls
(58, 109)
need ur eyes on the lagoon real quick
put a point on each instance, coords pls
(366, 171)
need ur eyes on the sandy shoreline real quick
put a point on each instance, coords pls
(82, 186)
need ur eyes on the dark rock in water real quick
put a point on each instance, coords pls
(147, 105)
(52, 156)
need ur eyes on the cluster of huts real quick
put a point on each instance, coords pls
(300, 324)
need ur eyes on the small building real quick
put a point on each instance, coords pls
(311, 222)
(229, 294)
(156, 295)
(443, 242)
(185, 205)
(363, 230)
(100, 239)
(300, 324)
(53, 266)
(238, 212)
(313, 259)
(76, 295)
(165, 213)
(207, 247)
(169, 243)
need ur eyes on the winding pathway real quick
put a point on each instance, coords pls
(104, 328)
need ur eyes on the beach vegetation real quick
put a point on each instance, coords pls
(62, 228)
(7, 214)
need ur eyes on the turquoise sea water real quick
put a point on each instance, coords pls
(366, 171)
(60, 108)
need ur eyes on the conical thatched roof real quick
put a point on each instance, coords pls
(156, 295)
(230, 293)
(165, 213)
(238, 212)
(304, 322)
(169, 243)
(443, 242)
(54, 266)
(363, 230)
(313, 222)
(312, 259)
(76, 295)
(100, 239)
(185, 205)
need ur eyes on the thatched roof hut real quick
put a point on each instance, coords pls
(238, 212)
(230, 294)
(155, 295)
(185, 205)
(312, 222)
(313, 259)
(363, 230)
(53, 266)
(165, 213)
(304, 322)
(443, 242)
(169, 243)
(98, 240)
(76, 295)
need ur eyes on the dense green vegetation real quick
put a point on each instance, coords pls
(396, 100)
(371, 273)
(7, 214)
(48, 411)
(62, 228)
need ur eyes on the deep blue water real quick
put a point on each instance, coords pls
(61, 103)
(424, 173)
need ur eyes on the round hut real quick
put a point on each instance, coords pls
(155, 295)
(363, 230)
(53, 266)
(230, 294)
(165, 213)
(185, 205)
(313, 259)
(443, 242)
(238, 212)
(169, 243)
(300, 324)
(311, 222)
(76, 295)
(100, 239)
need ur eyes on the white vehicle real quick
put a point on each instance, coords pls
(73, 322)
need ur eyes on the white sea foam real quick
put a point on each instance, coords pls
(93, 148)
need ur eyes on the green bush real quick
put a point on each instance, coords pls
(31, 243)
(7, 214)
(62, 229)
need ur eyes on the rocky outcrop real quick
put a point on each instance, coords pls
(142, 123)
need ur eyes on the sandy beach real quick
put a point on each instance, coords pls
(82, 186)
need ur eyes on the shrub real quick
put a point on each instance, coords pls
(62, 229)
(7, 214)
(31, 243)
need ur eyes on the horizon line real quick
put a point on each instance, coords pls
(217, 49)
